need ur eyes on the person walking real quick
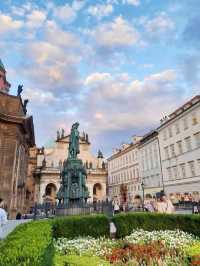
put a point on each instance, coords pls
(165, 205)
(3, 217)
(116, 206)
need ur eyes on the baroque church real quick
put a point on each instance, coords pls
(49, 167)
(16, 140)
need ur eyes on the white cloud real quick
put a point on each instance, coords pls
(78, 4)
(160, 24)
(117, 104)
(65, 13)
(38, 97)
(18, 11)
(66, 39)
(35, 19)
(116, 34)
(100, 10)
(131, 2)
(95, 78)
(8, 24)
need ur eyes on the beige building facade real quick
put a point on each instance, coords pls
(123, 172)
(179, 137)
(150, 166)
(49, 167)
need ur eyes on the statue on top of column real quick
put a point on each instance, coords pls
(74, 141)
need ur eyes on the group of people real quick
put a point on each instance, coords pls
(160, 204)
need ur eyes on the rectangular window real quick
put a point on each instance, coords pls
(180, 147)
(166, 152)
(188, 143)
(172, 149)
(164, 135)
(175, 172)
(185, 123)
(170, 132)
(198, 164)
(183, 172)
(192, 168)
(169, 173)
(194, 119)
(177, 128)
(197, 139)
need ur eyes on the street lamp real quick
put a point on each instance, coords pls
(142, 185)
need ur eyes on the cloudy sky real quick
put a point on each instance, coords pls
(116, 66)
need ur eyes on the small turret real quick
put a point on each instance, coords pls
(100, 159)
(100, 155)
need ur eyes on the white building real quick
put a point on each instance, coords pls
(49, 165)
(150, 163)
(123, 172)
(179, 137)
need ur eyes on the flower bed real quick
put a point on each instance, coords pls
(139, 248)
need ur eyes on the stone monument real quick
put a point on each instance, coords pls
(73, 189)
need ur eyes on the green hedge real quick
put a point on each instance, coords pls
(77, 260)
(74, 226)
(29, 244)
(125, 223)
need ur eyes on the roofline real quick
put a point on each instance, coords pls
(121, 152)
(182, 108)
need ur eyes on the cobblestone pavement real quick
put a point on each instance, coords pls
(10, 226)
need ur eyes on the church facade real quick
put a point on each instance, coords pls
(16, 138)
(50, 163)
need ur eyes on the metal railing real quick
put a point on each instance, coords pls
(50, 210)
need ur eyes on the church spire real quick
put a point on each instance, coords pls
(4, 84)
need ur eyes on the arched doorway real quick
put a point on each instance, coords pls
(97, 192)
(50, 193)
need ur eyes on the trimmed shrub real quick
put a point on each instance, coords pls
(74, 226)
(126, 223)
(29, 244)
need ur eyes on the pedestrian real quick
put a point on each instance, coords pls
(164, 205)
(148, 204)
(3, 217)
(116, 206)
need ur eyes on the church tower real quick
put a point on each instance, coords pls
(4, 84)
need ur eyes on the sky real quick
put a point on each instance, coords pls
(116, 66)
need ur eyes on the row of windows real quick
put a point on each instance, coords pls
(131, 188)
(124, 160)
(184, 124)
(124, 176)
(184, 170)
(182, 146)
(150, 158)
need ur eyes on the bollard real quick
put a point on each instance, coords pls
(113, 230)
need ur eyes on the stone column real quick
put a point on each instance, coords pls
(42, 191)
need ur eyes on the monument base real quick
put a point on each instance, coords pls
(74, 211)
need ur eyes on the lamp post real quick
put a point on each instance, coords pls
(142, 185)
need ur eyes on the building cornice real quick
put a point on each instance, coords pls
(181, 111)
(124, 151)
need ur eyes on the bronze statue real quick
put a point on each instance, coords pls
(74, 142)
(73, 187)
(25, 105)
(19, 90)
